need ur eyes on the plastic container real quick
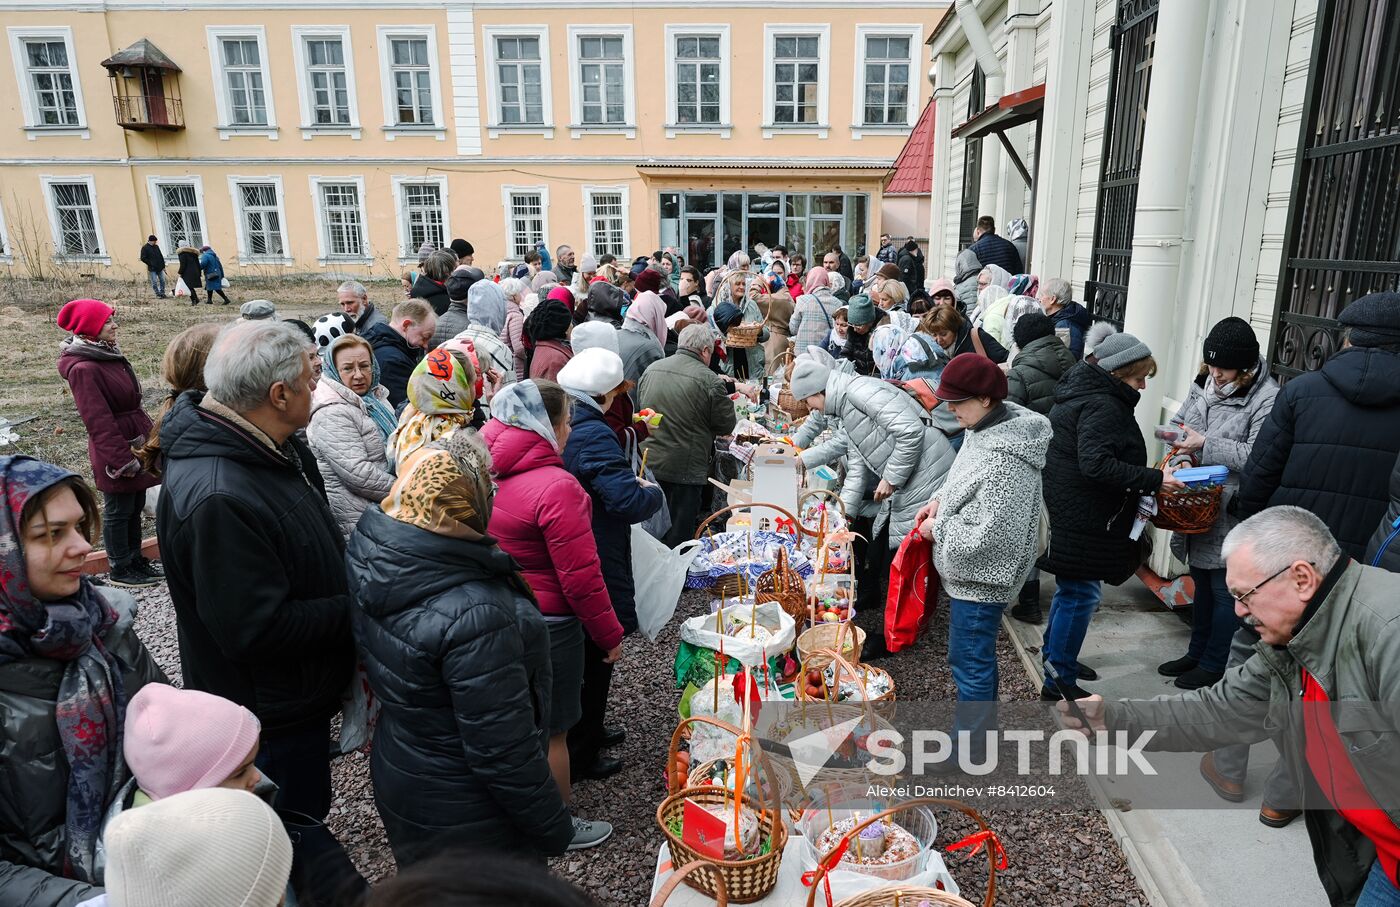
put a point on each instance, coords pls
(1202, 476)
(1172, 434)
(918, 821)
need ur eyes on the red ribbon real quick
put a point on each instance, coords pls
(825, 866)
(977, 841)
(783, 524)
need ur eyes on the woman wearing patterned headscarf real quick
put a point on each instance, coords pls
(643, 336)
(458, 657)
(441, 399)
(69, 663)
(351, 421)
(547, 335)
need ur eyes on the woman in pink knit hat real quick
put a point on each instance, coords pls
(108, 396)
(179, 740)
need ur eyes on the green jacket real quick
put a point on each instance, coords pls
(695, 410)
(1351, 646)
(1036, 370)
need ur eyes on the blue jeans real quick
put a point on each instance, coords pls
(1213, 621)
(158, 282)
(1071, 609)
(972, 656)
(1380, 891)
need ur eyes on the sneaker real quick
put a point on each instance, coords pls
(131, 578)
(150, 568)
(1177, 667)
(589, 834)
(1198, 677)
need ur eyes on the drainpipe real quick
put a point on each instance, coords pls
(981, 44)
(1164, 183)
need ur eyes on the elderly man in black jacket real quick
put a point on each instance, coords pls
(253, 556)
(1331, 441)
(154, 260)
(992, 249)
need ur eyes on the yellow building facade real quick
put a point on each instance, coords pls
(336, 137)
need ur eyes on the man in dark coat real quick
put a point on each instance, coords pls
(992, 249)
(400, 344)
(911, 266)
(154, 260)
(887, 252)
(1331, 441)
(190, 271)
(254, 558)
(1055, 299)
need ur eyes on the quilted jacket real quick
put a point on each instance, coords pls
(1036, 371)
(349, 451)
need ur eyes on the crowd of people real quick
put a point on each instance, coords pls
(433, 496)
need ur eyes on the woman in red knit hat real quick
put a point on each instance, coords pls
(108, 396)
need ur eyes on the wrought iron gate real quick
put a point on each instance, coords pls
(1133, 37)
(1343, 238)
(972, 162)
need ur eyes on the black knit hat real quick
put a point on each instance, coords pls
(1374, 320)
(1030, 327)
(461, 248)
(1231, 344)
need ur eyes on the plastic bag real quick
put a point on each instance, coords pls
(359, 713)
(658, 574)
(181, 288)
(659, 523)
(913, 594)
(700, 631)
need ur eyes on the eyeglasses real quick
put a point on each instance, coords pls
(1243, 597)
(355, 368)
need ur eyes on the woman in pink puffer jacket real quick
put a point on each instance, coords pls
(542, 517)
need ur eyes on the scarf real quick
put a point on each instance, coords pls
(91, 702)
(1221, 391)
(445, 487)
(379, 411)
(486, 306)
(816, 277)
(440, 401)
(650, 312)
(520, 405)
(1024, 285)
(91, 349)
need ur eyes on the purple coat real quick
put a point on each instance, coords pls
(108, 397)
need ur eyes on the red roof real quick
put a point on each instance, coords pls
(913, 169)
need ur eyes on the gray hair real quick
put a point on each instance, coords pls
(514, 288)
(248, 357)
(1059, 288)
(353, 286)
(1283, 535)
(440, 264)
(697, 338)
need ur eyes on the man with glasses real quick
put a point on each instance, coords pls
(1324, 677)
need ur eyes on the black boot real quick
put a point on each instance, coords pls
(1177, 666)
(1027, 607)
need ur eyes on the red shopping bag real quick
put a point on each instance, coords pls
(913, 594)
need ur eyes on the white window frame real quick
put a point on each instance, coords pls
(324, 256)
(858, 126)
(770, 35)
(309, 127)
(621, 190)
(507, 192)
(409, 254)
(7, 246)
(392, 128)
(628, 127)
(153, 184)
(495, 128)
(226, 127)
(33, 128)
(104, 254)
(725, 125)
(245, 256)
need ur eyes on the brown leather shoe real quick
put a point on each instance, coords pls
(1223, 787)
(1277, 818)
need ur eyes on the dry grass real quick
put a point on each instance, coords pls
(31, 389)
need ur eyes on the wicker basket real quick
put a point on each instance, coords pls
(745, 881)
(1191, 511)
(739, 337)
(792, 406)
(845, 667)
(817, 646)
(680, 875)
(787, 514)
(783, 585)
(909, 895)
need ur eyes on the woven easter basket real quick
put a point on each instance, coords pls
(739, 337)
(783, 585)
(816, 645)
(1190, 511)
(745, 881)
(788, 784)
(795, 408)
(845, 668)
(681, 874)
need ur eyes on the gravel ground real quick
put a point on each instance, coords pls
(1057, 858)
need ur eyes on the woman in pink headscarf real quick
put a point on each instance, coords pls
(816, 277)
(642, 339)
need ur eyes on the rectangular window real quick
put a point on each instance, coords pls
(76, 220)
(411, 74)
(886, 79)
(243, 79)
(422, 216)
(697, 79)
(179, 210)
(262, 220)
(602, 79)
(51, 82)
(796, 79)
(344, 226)
(520, 79)
(606, 223)
(327, 82)
(526, 222)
